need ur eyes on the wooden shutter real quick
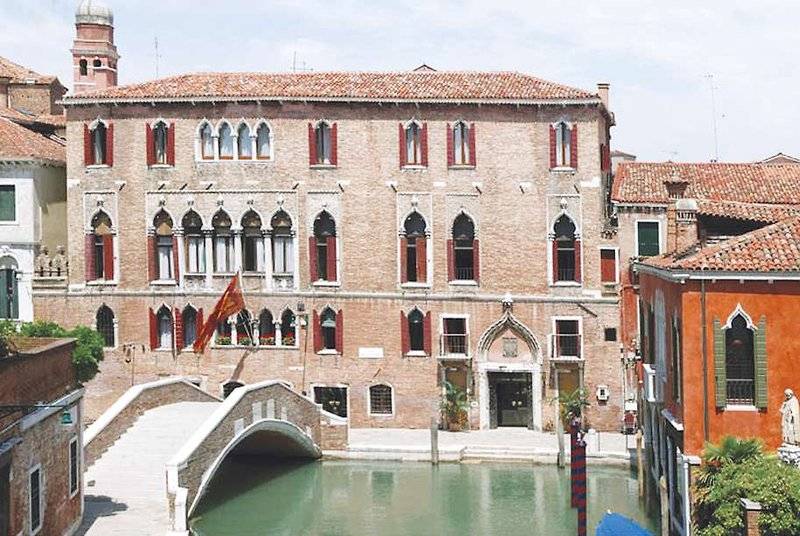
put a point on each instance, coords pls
(451, 261)
(760, 357)
(198, 322)
(608, 266)
(423, 145)
(404, 259)
(171, 144)
(720, 374)
(178, 329)
(426, 333)
(88, 155)
(312, 259)
(473, 156)
(316, 330)
(331, 260)
(401, 136)
(554, 246)
(153, 329)
(552, 147)
(108, 257)
(339, 331)
(176, 272)
(451, 154)
(405, 344)
(422, 259)
(312, 146)
(148, 137)
(152, 267)
(573, 146)
(88, 252)
(334, 145)
(110, 145)
(578, 274)
(476, 261)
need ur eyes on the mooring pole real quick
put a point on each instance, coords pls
(578, 465)
(639, 462)
(434, 441)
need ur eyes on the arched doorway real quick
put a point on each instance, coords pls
(9, 288)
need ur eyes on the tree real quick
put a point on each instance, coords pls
(736, 469)
(88, 345)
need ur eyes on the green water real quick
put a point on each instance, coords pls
(337, 498)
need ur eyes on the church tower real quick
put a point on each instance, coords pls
(94, 56)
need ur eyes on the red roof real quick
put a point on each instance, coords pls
(642, 182)
(19, 143)
(21, 75)
(436, 86)
(755, 212)
(775, 248)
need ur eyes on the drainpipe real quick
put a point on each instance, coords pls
(705, 357)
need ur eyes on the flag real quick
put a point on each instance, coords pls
(231, 302)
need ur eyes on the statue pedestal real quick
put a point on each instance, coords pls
(789, 454)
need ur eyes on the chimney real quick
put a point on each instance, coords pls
(681, 215)
(602, 90)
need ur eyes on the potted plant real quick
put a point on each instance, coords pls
(455, 406)
(288, 341)
(267, 340)
(571, 406)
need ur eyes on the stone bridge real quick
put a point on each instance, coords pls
(266, 418)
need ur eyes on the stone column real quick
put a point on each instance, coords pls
(237, 249)
(181, 256)
(209, 251)
(278, 334)
(234, 335)
(268, 261)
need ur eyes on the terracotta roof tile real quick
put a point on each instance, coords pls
(19, 143)
(756, 212)
(19, 74)
(641, 182)
(775, 248)
(392, 86)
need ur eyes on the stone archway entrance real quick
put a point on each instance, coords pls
(509, 378)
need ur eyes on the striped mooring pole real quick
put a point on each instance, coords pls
(578, 473)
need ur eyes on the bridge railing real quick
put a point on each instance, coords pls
(271, 402)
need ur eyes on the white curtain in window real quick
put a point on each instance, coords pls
(160, 139)
(208, 142)
(165, 257)
(461, 143)
(196, 258)
(262, 142)
(411, 144)
(562, 145)
(282, 255)
(225, 141)
(245, 143)
(99, 144)
(223, 253)
(164, 330)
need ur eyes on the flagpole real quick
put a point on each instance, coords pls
(249, 325)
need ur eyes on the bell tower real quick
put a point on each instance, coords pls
(94, 56)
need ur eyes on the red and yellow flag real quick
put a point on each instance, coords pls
(230, 303)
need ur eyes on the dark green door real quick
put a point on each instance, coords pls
(9, 295)
(513, 402)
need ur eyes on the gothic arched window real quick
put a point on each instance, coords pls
(252, 242)
(566, 251)
(206, 142)
(740, 362)
(463, 254)
(245, 144)
(225, 135)
(195, 243)
(104, 323)
(325, 247)
(414, 244)
(222, 242)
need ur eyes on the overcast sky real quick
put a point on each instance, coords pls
(656, 54)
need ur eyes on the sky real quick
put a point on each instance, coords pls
(662, 58)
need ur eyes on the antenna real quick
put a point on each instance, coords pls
(302, 66)
(157, 55)
(713, 88)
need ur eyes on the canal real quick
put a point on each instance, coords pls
(339, 498)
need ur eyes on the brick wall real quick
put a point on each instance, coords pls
(37, 99)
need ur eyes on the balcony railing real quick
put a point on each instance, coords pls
(454, 344)
(565, 274)
(741, 392)
(565, 346)
(465, 273)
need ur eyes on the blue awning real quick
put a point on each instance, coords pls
(619, 525)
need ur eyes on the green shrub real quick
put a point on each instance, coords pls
(88, 345)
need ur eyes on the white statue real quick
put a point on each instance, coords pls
(790, 410)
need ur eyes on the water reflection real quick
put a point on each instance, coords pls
(401, 499)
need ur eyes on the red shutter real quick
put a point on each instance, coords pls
(312, 146)
(88, 253)
(334, 146)
(152, 271)
(552, 147)
(401, 136)
(451, 261)
(476, 261)
(451, 155)
(171, 144)
(88, 154)
(473, 156)
(331, 268)
(153, 330)
(339, 331)
(108, 257)
(422, 259)
(426, 334)
(110, 145)
(198, 322)
(578, 261)
(404, 260)
(608, 266)
(148, 137)
(178, 329)
(573, 146)
(316, 330)
(554, 245)
(423, 145)
(312, 259)
(405, 345)
(176, 272)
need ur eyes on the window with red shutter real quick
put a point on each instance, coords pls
(171, 145)
(426, 334)
(110, 146)
(334, 145)
(413, 252)
(404, 334)
(108, 257)
(401, 140)
(450, 147)
(149, 144)
(153, 329)
(312, 146)
(415, 327)
(340, 331)
(473, 155)
(424, 145)
(608, 265)
(573, 147)
(88, 159)
(324, 248)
